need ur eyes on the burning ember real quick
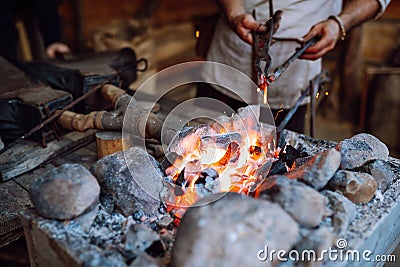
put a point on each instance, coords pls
(232, 154)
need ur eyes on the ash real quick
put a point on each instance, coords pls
(103, 243)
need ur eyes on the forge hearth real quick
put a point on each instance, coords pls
(294, 198)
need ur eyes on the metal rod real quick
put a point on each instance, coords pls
(56, 115)
(278, 71)
(313, 87)
(271, 8)
(316, 81)
(293, 110)
(70, 105)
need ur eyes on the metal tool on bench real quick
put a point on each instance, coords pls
(51, 116)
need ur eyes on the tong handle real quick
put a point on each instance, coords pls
(278, 71)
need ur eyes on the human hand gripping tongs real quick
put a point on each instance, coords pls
(262, 62)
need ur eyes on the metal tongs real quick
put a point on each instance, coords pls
(262, 42)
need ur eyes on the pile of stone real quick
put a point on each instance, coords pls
(114, 214)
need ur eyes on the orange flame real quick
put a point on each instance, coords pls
(235, 164)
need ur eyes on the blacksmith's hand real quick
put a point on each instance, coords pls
(57, 47)
(329, 31)
(244, 24)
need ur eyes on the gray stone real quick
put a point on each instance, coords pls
(220, 228)
(358, 187)
(303, 203)
(319, 170)
(316, 241)
(65, 192)
(360, 149)
(138, 238)
(133, 178)
(343, 211)
(381, 171)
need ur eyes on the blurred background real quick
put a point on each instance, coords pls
(363, 95)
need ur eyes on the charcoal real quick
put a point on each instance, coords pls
(343, 211)
(264, 170)
(220, 140)
(381, 171)
(304, 143)
(303, 203)
(289, 154)
(169, 160)
(234, 149)
(319, 170)
(301, 161)
(207, 176)
(138, 238)
(358, 187)
(255, 152)
(178, 191)
(278, 167)
(65, 192)
(360, 149)
(181, 178)
(133, 178)
(156, 249)
(215, 232)
(187, 137)
(192, 169)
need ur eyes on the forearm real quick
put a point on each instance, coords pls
(241, 22)
(357, 12)
(231, 8)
